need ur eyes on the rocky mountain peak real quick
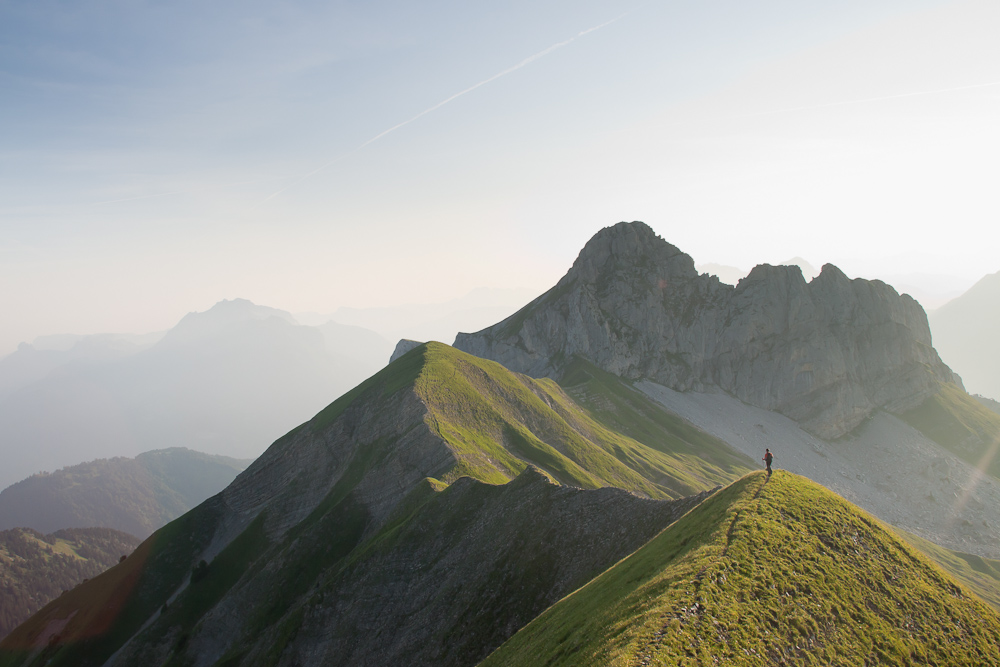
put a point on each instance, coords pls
(826, 353)
(630, 246)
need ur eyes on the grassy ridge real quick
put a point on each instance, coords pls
(496, 422)
(763, 574)
(962, 425)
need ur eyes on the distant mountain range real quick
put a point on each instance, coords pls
(593, 499)
(967, 334)
(133, 495)
(226, 381)
(37, 568)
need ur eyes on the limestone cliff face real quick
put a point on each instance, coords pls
(826, 353)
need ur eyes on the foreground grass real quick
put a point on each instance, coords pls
(765, 574)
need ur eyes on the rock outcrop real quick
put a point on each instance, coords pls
(826, 353)
(402, 347)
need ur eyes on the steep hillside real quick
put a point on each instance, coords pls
(449, 578)
(962, 425)
(136, 496)
(827, 353)
(225, 381)
(967, 334)
(350, 496)
(782, 572)
(35, 568)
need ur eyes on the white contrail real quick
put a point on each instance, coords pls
(514, 68)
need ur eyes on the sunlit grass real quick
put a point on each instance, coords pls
(782, 573)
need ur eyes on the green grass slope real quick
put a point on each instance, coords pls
(962, 425)
(782, 572)
(496, 422)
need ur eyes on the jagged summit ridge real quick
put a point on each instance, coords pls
(826, 353)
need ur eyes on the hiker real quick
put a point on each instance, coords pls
(768, 456)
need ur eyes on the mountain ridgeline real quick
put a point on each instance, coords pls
(826, 353)
(966, 333)
(225, 381)
(352, 495)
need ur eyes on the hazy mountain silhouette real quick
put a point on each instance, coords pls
(225, 381)
(967, 334)
(135, 496)
(34, 361)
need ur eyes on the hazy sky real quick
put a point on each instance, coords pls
(158, 157)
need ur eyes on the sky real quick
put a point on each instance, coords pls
(156, 157)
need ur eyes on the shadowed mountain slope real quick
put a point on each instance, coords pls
(136, 496)
(827, 353)
(349, 496)
(782, 572)
(450, 579)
